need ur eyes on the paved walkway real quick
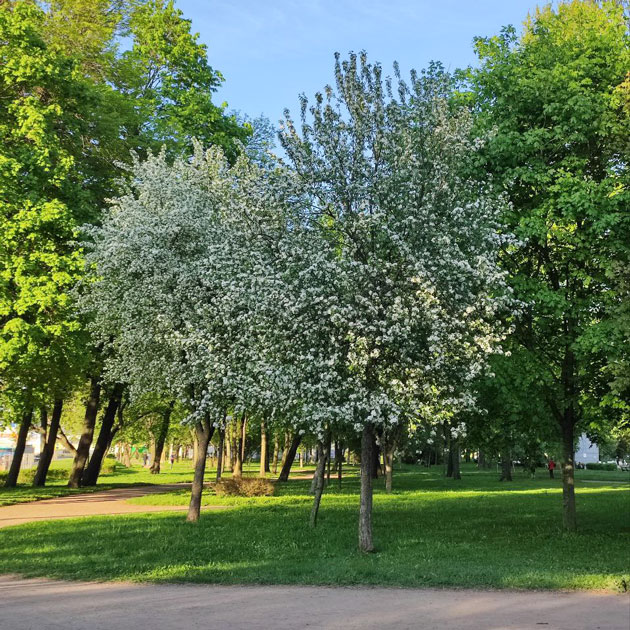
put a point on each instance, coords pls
(28, 604)
(92, 504)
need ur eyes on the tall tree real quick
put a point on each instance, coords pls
(559, 150)
(409, 287)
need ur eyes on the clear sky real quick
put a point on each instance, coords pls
(272, 50)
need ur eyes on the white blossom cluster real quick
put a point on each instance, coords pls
(347, 289)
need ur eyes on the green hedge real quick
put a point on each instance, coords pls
(593, 466)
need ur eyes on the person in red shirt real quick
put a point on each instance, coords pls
(552, 466)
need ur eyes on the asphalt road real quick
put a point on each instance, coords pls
(50, 605)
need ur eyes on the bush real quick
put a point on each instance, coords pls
(244, 487)
(594, 466)
(54, 474)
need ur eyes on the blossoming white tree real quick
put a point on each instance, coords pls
(415, 242)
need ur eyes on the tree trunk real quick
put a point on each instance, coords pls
(93, 469)
(388, 456)
(243, 444)
(289, 457)
(229, 460)
(365, 511)
(455, 459)
(161, 439)
(83, 448)
(237, 471)
(263, 450)
(318, 479)
(376, 459)
(339, 458)
(203, 431)
(328, 463)
(569, 517)
(18, 453)
(276, 448)
(506, 467)
(49, 447)
(220, 449)
(267, 458)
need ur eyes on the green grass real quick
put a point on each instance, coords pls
(182, 472)
(431, 531)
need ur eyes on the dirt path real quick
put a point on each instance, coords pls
(28, 604)
(93, 504)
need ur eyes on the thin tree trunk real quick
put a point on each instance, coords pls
(318, 479)
(83, 448)
(376, 459)
(238, 449)
(229, 460)
(220, 449)
(161, 439)
(339, 458)
(243, 435)
(49, 447)
(263, 450)
(203, 432)
(285, 449)
(569, 517)
(388, 456)
(456, 457)
(365, 512)
(18, 453)
(93, 469)
(328, 463)
(290, 457)
(276, 448)
(506, 467)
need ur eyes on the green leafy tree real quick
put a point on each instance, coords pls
(559, 150)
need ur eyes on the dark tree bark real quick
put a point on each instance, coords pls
(456, 457)
(318, 479)
(328, 463)
(18, 453)
(376, 459)
(83, 448)
(203, 434)
(569, 517)
(93, 469)
(161, 439)
(263, 450)
(49, 447)
(220, 449)
(237, 471)
(276, 448)
(506, 467)
(365, 511)
(388, 456)
(290, 457)
(338, 461)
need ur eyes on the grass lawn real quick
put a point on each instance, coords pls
(430, 531)
(182, 472)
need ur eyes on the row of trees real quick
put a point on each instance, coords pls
(440, 259)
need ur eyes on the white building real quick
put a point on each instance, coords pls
(587, 452)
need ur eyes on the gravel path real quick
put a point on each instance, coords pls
(92, 504)
(51, 605)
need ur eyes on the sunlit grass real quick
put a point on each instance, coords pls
(430, 532)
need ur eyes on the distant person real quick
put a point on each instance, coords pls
(172, 460)
(145, 459)
(552, 466)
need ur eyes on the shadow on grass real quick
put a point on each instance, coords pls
(502, 540)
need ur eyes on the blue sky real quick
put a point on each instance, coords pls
(272, 50)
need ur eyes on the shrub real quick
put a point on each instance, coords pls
(594, 466)
(244, 487)
(54, 474)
